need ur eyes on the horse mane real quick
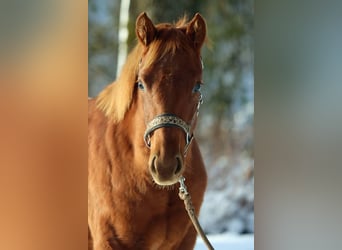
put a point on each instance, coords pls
(116, 98)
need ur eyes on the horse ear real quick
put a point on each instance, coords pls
(145, 29)
(197, 30)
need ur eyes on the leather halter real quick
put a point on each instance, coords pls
(168, 120)
(171, 120)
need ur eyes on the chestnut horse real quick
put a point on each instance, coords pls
(140, 133)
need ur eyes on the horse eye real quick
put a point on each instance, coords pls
(197, 88)
(141, 85)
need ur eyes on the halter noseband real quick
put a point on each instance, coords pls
(171, 120)
(168, 120)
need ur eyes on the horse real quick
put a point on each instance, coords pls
(140, 142)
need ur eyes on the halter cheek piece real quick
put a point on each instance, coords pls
(171, 120)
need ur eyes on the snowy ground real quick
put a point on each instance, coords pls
(228, 241)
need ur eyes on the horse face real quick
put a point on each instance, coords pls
(166, 89)
(169, 81)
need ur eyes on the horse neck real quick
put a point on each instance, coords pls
(134, 127)
(130, 147)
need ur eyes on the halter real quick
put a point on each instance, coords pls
(171, 120)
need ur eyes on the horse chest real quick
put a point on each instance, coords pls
(151, 223)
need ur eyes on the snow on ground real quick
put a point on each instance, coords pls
(231, 207)
(228, 241)
(228, 204)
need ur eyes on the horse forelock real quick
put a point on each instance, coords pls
(169, 41)
(116, 99)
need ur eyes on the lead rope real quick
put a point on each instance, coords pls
(185, 196)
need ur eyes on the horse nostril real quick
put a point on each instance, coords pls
(179, 165)
(153, 165)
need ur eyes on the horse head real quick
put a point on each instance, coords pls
(169, 79)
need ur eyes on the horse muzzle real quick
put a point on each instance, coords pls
(166, 170)
(166, 162)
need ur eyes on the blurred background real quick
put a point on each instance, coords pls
(225, 127)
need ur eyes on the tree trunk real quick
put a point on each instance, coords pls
(123, 34)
